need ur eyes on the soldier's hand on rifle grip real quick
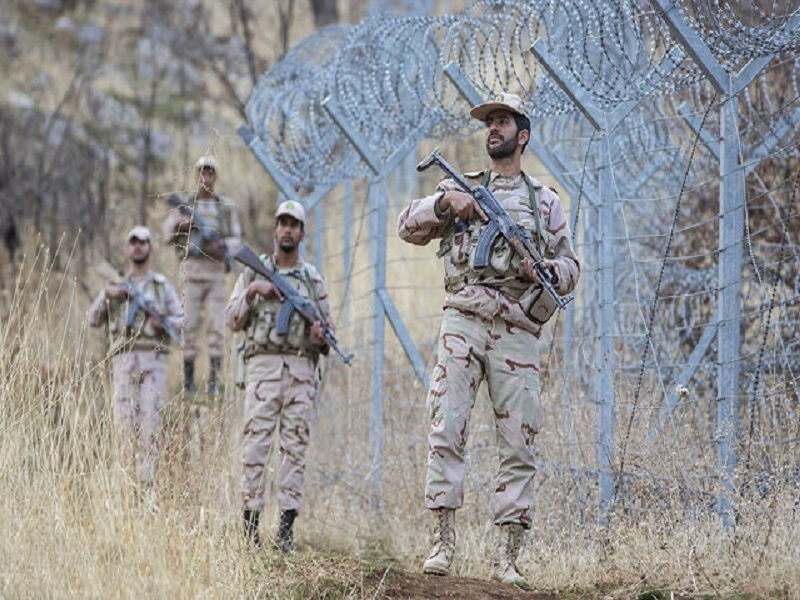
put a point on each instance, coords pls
(116, 292)
(184, 224)
(530, 271)
(155, 323)
(316, 335)
(265, 289)
(462, 204)
(218, 248)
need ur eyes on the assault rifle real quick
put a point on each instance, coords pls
(205, 234)
(136, 301)
(500, 223)
(292, 301)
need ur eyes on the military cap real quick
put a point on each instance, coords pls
(510, 102)
(293, 209)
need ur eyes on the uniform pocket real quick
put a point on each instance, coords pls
(535, 415)
(436, 391)
(297, 330)
(302, 370)
(462, 244)
(265, 370)
(538, 304)
(263, 323)
(501, 256)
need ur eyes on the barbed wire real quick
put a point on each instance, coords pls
(387, 77)
(747, 29)
(389, 80)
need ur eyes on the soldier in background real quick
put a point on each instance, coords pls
(488, 332)
(281, 379)
(203, 268)
(139, 344)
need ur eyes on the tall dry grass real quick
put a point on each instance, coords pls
(75, 526)
(74, 522)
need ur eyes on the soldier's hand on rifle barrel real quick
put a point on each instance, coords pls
(265, 289)
(530, 271)
(116, 292)
(462, 204)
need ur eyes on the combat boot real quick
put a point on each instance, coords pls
(444, 543)
(251, 521)
(188, 377)
(213, 377)
(285, 541)
(504, 564)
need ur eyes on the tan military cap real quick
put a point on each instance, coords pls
(510, 102)
(206, 161)
(293, 209)
(140, 232)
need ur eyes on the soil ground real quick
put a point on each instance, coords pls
(396, 584)
(416, 586)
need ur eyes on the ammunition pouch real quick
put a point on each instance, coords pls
(277, 328)
(476, 253)
(538, 304)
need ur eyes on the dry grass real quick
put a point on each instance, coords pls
(74, 525)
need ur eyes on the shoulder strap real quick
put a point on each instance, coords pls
(223, 216)
(159, 288)
(312, 288)
(533, 199)
(533, 202)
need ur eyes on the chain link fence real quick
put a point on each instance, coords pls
(670, 130)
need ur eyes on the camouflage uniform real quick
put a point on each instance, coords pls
(487, 333)
(138, 358)
(281, 383)
(203, 271)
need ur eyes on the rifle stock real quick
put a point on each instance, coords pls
(292, 301)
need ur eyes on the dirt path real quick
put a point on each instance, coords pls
(415, 586)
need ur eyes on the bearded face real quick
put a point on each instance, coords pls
(499, 147)
(139, 251)
(289, 233)
(502, 134)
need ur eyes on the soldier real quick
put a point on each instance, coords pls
(487, 332)
(202, 252)
(139, 344)
(281, 380)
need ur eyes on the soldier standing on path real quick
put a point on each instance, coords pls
(487, 332)
(281, 380)
(139, 344)
(201, 252)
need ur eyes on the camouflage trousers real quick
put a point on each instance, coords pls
(140, 378)
(204, 292)
(470, 350)
(280, 396)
